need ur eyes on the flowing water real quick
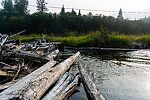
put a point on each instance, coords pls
(119, 75)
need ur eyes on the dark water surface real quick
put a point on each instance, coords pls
(118, 75)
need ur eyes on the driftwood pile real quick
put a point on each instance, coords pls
(29, 72)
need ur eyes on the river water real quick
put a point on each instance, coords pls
(119, 75)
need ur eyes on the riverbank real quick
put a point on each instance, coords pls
(96, 39)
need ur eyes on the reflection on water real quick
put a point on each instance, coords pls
(120, 76)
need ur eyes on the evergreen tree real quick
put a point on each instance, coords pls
(90, 14)
(79, 14)
(120, 16)
(41, 6)
(21, 7)
(8, 6)
(73, 12)
(62, 10)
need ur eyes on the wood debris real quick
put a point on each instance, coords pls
(29, 72)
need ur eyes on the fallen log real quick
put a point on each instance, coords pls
(28, 55)
(34, 85)
(52, 55)
(89, 85)
(6, 74)
(65, 86)
(60, 86)
(69, 90)
(7, 85)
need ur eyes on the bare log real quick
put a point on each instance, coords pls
(59, 87)
(64, 87)
(52, 55)
(34, 85)
(31, 56)
(5, 73)
(70, 89)
(7, 85)
(89, 85)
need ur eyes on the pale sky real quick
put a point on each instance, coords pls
(132, 5)
(126, 5)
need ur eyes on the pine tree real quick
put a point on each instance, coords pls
(8, 6)
(79, 14)
(62, 10)
(120, 16)
(73, 12)
(41, 6)
(21, 7)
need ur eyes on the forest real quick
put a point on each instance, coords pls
(14, 17)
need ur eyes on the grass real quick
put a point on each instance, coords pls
(144, 39)
(83, 40)
(99, 38)
(28, 38)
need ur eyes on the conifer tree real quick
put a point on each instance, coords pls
(20, 7)
(120, 16)
(41, 6)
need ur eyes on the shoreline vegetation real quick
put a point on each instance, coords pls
(102, 38)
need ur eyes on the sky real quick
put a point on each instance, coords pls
(113, 5)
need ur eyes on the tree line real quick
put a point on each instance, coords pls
(15, 17)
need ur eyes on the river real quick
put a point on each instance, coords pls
(118, 75)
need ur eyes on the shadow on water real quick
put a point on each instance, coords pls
(106, 55)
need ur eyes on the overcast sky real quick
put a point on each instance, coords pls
(100, 4)
(126, 5)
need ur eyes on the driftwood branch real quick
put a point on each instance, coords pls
(18, 33)
(3, 39)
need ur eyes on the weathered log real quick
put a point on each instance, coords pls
(63, 84)
(34, 85)
(69, 90)
(28, 55)
(7, 85)
(64, 87)
(59, 87)
(5, 73)
(89, 85)
(52, 55)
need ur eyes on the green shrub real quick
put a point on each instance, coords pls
(100, 38)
